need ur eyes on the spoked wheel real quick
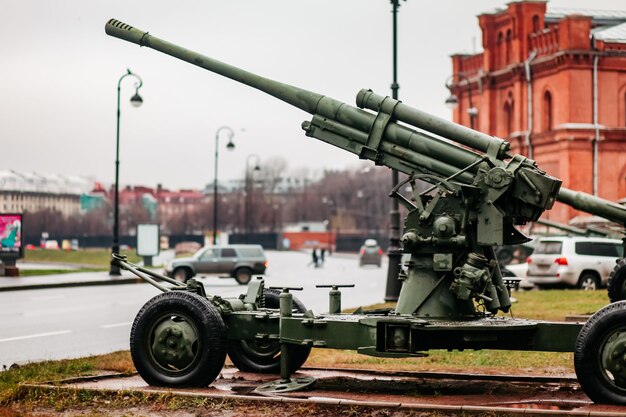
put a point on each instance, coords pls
(588, 281)
(600, 355)
(264, 356)
(617, 282)
(178, 339)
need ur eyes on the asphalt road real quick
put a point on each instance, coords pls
(49, 324)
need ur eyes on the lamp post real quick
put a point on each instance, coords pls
(394, 254)
(136, 101)
(230, 146)
(361, 195)
(331, 207)
(249, 187)
(453, 101)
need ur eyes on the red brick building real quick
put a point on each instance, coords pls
(553, 83)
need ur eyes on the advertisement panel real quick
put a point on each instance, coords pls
(11, 235)
(148, 239)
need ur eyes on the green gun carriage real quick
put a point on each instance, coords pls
(452, 289)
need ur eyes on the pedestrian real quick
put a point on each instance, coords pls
(314, 258)
(322, 253)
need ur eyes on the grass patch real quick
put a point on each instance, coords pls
(481, 361)
(93, 257)
(41, 272)
(59, 370)
(557, 304)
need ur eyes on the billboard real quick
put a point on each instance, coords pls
(11, 235)
(148, 239)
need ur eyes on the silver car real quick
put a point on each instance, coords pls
(238, 261)
(370, 253)
(581, 262)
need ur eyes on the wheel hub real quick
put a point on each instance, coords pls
(614, 357)
(175, 344)
(261, 350)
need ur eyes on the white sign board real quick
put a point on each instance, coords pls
(147, 239)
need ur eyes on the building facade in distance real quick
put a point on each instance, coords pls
(30, 192)
(553, 83)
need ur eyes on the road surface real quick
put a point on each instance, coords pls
(50, 324)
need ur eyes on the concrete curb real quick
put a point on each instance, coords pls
(71, 284)
(72, 386)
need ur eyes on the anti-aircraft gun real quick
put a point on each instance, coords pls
(452, 289)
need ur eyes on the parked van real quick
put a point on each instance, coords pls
(238, 261)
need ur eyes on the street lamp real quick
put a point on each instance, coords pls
(249, 187)
(361, 195)
(230, 146)
(331, 208)
(392, 289)
(453, 101)
(136, 101)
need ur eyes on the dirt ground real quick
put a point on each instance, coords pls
(282, 410)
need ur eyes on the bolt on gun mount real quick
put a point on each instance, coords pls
(452, 285)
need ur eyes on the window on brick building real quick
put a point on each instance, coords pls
(508, 115)
(624, 111)
(547, 112)
(508, 47)
(507, 118)
(500, 50)
(535, 23)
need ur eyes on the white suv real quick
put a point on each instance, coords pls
(582, 262)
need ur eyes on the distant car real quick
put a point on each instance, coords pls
(238, 261)
(518, 271)
(581, 262)
(187, 247)
(51, 244)
(370, 253)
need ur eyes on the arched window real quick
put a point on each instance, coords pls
(507, 119)
(624, 109)
(508, 115)
(508, 47)
(535, 23)
(500, 50)
(547, 112)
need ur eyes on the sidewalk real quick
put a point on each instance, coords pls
(73, 279)
(65, 280)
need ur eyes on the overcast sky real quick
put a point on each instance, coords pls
(59, 74)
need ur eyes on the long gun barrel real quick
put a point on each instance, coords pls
(403, 149)
(589, 231)
(594, 205)
(380, 138)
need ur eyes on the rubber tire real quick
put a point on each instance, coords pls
(243, 276)
(617, 282)
(187, 275)
(589, 343)
(210, 351)
(243, 358)
(588, 277)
